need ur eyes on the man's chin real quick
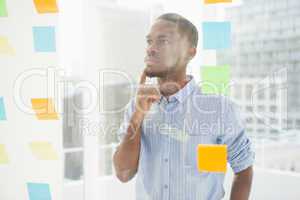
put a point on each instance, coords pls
(151, 72)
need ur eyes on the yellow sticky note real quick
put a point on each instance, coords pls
(43, 151)
(3, 155)
(212, 158)
(5, 47)
(217, 1)
(46, 6)
(44, 109)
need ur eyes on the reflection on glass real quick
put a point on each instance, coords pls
(74, 165)
(117, 98)
(261, 47)
(105, 161)
(72, 136)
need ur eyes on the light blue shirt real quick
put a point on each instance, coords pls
(171, 132)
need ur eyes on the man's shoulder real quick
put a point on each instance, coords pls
(211, 99)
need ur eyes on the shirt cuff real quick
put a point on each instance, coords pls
(244, 164)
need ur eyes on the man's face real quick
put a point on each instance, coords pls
(167, 50)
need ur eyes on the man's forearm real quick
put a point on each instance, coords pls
(241, 185)
(127, 155)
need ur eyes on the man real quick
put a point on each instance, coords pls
(163, 125)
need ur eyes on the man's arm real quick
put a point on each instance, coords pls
(240, 152)
(126, 157)
(241, 185)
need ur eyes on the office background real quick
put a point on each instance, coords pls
(79, 58)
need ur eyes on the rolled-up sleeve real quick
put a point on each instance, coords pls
(240, 154)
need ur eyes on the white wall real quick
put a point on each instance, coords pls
(267, 185)
(20, 128)
(270, 184)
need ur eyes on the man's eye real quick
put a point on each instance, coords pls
(163, 41)
(149, 41)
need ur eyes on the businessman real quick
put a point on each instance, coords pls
(164, 124)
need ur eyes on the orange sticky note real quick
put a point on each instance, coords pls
(43, 151)
(46, 6)
(217, 1)
(3, 155)
(212, 158)
(44, 109)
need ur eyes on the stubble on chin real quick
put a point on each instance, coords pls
(157, 74)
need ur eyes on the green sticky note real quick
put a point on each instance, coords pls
(215, 79)
(3, 10)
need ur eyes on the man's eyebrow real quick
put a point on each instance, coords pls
(160, 36)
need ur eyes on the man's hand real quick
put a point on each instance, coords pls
(146, 96)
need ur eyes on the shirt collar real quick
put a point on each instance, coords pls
(183, 93)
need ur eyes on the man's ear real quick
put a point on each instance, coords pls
(192, 52)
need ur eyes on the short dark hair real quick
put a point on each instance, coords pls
(184, 25)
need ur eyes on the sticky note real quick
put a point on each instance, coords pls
(212, 158)
(216, 35)
(44, 38)
(3, 9)
(43, 150)
(44, 109)
(3, 155)
(5, 47)
(2, 109)
(46, 6)
(217, 1)
(38, 191)
(215, 79)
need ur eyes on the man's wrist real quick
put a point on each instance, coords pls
(138, 117)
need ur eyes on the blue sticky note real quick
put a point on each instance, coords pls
(2, 109)
(44, 38)
(216, 35)
(38, 191)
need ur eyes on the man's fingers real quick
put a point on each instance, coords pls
(148, 91)
(143, 78)
(155, 99)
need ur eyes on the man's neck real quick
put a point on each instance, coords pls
(171, 84)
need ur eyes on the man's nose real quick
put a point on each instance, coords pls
(151, 50)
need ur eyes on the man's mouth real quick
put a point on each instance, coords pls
(151, 60)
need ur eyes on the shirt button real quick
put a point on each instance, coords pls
(166, 159)
(166, 186)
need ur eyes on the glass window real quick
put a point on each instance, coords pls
(73, 166)
(266, 45)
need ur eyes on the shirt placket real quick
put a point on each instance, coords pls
(166, 155)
